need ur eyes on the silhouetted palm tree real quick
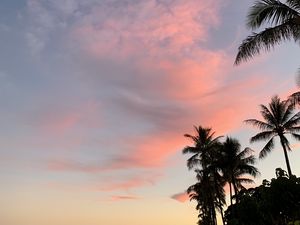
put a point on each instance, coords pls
(204, 143)
(278, 121)
(285, 25)
(208, 191)
(235, 164)
(208, 195)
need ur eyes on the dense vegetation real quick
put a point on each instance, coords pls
(272, 203)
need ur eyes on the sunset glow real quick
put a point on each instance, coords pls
(96, 96)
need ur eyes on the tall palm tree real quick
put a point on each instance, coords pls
(235, 164)
(204, 143)
(208, 191)
(279, 120)
(284, 19)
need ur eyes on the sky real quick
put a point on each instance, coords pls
(96, 96)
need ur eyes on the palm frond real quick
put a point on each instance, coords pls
(295, 4)
(245, 180)
(277, 108)
(267, 39)
(269, 11)
(268, 115)
(265, 135)
(267, 149)
(294, 98)
(293, 129)
(189, 149)
(246, 152)
(193, 162)
(191, 137)
(249, 160)
(260, 124)
(296, 136)
(288, 111)
(249, 169)
(293, 121)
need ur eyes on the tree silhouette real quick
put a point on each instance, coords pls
(272, 203)
(284, 19)
(209, 195)
(216, 164)
(235, 164)
(278, 121)
(208, 191)
(204, 144)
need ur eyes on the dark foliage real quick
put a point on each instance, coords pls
(279, 120)
(272, 203)
(216, 163)
(284, 21)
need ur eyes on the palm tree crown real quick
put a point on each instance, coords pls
(284, 19)
(235, 164)
(204, 143)
(278, 121)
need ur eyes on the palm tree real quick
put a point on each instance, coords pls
(208, 191)
(208, 195)
(278, 121)
(235, 164)
(204, 143)
(284, 19)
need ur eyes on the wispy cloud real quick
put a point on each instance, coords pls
(123, 197)
(129, 183)
(146, 63)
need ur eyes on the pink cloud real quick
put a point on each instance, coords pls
(123, 197)
(152, 149)
(181, 197)
(146, 28)
(113, 183)
(129, 183)
(173, 82)
(118, 163)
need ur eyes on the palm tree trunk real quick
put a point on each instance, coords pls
(234, 188)
(236, 191)
(214, 216)
(212, 209)
(220, 206)
(286, 157)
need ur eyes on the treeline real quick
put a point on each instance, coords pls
(218, 163)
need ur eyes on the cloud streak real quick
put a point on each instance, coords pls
(123, 197)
